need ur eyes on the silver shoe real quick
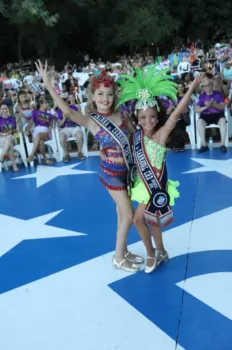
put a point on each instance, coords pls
(158, 259)
(150, 269)
(120, 265)
(162, 258)
(136, 259)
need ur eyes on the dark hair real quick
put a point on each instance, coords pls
(39, 103)
(187, 73)
(208, 75)
(162, 115)
(71, 93)
(183, 84)
(21, 92)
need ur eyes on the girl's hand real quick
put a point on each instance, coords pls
(43, 72)
(197, 81)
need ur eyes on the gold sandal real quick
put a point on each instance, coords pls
(30, 159)
(15, 168)
(48, 161)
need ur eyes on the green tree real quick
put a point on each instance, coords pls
(23, 13)
(130, 23)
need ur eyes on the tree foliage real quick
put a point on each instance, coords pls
(27, 11)
(59, 29)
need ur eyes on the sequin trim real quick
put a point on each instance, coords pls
(113, 173)
(114, 163)
(105, 139)
(114, 154)
(155, 152)
(114, 188)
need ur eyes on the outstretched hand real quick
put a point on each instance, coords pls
(197, 81)
(43, 72)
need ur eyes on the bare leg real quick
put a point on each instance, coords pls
(201, 124)
(40, 136)
(80, 140)
(144, 232)
(11, 155)
(157, 235)
(42, 149)
(64, 142)
(9, 140)
(9, 147)
(125, 210)
(119, 219)
(223, 129)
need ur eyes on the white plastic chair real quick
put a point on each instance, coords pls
(85, 145)
(63, 77)
(20, 148)
(227, 114)
(183, 67)
(28, 79)
(190, 129)
(12, 84)
(81, 77)
(83, 106)
(60, 149)
(229, 123)
(52, 145)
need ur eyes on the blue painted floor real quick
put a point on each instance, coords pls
(58, 289)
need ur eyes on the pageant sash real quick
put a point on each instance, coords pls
(117, 134)
(158, 209)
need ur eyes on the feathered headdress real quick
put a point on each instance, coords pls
(146, 86)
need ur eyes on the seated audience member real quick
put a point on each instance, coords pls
(7, 139)
(41, 123)
(69, 129)
(211, 108)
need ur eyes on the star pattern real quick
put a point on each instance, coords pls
(45, 174)
(18, 230)
(223, 167)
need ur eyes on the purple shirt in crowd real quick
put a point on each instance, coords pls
(167, 102)
(6, 124)
(41, 118)
(216, 96)
(68, 123)
(128, 107)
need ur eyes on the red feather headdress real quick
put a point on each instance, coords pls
(104, 79)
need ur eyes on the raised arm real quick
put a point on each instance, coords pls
(75, 116)
(172, 120)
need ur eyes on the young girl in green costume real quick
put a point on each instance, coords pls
(146, 88)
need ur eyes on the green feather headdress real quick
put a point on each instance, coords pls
(147, 85)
